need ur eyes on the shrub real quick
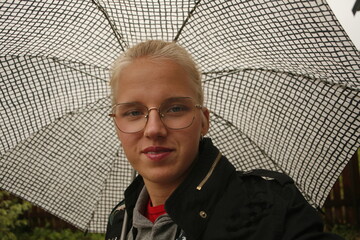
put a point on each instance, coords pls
(13, 226)
(65, 234)
(346, 231)
(11, 210)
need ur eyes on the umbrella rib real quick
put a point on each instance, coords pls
(251, 141)
(307, 197)
(83, 72)
(77, 111)
(226, 73)
(186, 20)
(232, 71)
(57, 60)
(118, 36)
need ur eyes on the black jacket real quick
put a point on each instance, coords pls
(217, 202)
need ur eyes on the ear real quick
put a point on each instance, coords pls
(205, 120)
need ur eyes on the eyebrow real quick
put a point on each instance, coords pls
(167, 99)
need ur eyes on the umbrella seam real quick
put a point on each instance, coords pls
(232, 71)
(118, 36)
(186, 20)
(307, 196)
(58, 60)
(251, 141)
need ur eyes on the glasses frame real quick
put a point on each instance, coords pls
(161, 115)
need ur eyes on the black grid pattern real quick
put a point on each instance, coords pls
(281, 79)
(296, 113)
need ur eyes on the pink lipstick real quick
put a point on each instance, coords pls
(156, 153)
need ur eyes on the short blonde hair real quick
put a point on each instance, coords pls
(157, 49)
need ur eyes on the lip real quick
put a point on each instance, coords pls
(157, 153)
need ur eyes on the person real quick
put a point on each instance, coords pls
(185, 188)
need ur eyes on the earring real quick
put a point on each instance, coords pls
(201, 137)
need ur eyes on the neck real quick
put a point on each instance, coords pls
(158, 192)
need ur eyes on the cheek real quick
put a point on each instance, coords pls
(129, 146)
(197, 126)
(192, 139)
(120, 136)
(127, 141)
(118, 133)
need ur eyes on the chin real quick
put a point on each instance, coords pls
(162, 178)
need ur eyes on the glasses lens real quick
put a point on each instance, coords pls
(177, 113)
(130, 117)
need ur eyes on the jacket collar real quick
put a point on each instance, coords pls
(190, 206)
(132, 193)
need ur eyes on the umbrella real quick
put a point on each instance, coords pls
(281, 79)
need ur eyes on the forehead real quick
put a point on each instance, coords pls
(145, 79)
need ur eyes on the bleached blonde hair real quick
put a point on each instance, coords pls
(157, 49)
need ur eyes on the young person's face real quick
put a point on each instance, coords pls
(159, 154)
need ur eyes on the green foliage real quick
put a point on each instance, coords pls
(10, 210)
(346, 231)
(65, 234)
(13, 226)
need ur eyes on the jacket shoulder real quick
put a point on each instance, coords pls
(278, 177)
(115, 221)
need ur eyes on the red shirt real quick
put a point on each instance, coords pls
(152, 213)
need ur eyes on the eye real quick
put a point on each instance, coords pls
(130, 111)
(133, 113)
(176, 108)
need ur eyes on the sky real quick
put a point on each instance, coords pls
(351, 24)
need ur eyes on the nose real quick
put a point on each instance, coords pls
(154, 127)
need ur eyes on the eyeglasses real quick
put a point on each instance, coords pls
(175, 113)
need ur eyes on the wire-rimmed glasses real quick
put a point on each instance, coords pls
(175, 113)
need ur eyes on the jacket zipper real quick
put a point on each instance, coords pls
(202, 183)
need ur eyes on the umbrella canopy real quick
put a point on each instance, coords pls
(281, 79)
